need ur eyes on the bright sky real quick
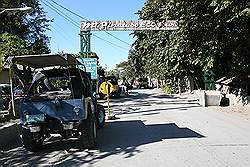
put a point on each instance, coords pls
(64, 36)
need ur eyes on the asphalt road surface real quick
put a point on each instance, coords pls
(153, 130)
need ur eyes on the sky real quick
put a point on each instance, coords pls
(65, 36)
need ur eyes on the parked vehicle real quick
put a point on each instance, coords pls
(59, 100)
(114, 81)
(143, 83)
(5, 96)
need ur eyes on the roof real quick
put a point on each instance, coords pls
(234, 81)
(225, 80)
(44, 60)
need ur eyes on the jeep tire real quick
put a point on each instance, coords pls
(29, 142)
(100, 116)
(88, 131)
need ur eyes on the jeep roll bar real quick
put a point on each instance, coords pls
(40, 61)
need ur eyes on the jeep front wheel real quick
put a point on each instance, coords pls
(88, 131)
(31, 141)
(100, 116)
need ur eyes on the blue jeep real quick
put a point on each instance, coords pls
(57, 100)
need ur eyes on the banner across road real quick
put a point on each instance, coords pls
(128, 25)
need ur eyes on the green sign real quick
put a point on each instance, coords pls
(209, 80)
(90, 65)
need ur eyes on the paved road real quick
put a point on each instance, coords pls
(152, 130)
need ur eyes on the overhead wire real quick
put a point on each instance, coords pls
(60, 30)
(62, 34)
(59, 13)
(74, 13)
(52, 7)
(88, 20)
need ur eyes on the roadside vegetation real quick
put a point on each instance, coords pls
(23, 33)
(212, 35)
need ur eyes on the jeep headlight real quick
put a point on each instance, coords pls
(77, 110)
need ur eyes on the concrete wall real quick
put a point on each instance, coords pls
(200, 94)
(212, 98)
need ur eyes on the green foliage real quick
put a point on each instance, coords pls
(133, 67)
(170, 86)
(60, 83)
(123, 69)
(212, 34)
(100, 70)
(167, 89)
(112, 73)
(12, 45)
(23, 33)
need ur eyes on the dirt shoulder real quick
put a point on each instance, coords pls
(239, 110)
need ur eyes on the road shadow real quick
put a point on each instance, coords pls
(124, 138)
(158, 110)
(163, 96)
(147, 99)
(126, 134)
(118, 137)
(133, 96)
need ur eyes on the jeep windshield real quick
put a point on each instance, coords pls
(63, 83)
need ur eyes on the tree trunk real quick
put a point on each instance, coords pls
(191, 83)
(179, 86)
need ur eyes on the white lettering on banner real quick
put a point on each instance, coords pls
(128, 25)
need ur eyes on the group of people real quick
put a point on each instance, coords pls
(125, 86)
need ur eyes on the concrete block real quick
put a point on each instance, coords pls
(202, 98)
(212, 98)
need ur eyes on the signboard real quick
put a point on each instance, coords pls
(106, 88)
(128, 25)
(90, 65)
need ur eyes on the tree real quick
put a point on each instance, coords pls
(23, 31)
(12, 45)
(132, 68)
(212, 34)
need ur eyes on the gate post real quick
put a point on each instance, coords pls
(85, 42)
(209, 80)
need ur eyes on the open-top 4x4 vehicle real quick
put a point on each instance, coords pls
(57, 100)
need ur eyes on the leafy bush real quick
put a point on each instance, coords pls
(167, 89)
